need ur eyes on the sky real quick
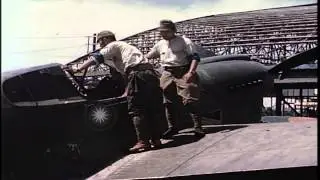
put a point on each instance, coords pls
(36, 32)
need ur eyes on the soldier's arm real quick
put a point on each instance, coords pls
(193, 66)
(126, 90)
(86, 64)
(98, 57)
(154, 52)
(193, 56)
(108, 52)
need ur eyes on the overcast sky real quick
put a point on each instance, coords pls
(36, 32)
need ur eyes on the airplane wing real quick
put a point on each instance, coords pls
(225, 148)
(296, 60)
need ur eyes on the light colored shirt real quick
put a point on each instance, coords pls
(173, 52)
(122, 55)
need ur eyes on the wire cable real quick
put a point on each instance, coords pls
(50, 49)
(54, 37)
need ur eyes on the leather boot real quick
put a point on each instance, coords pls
(169, 133)
(140, 146)
(140, 127)
(171, 115)
(156, 143)
(171, 119)
(198, 131)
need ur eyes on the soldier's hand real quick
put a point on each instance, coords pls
(188, 76)
(125, 94)
(69, 69)
(65, 67)
(76, 70)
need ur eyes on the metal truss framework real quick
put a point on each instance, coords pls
(271, 35)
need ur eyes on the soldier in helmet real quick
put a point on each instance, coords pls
(143, 91)
(179, 59)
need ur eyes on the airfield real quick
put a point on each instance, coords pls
(291, 143)
(280, 144)
(286, 144)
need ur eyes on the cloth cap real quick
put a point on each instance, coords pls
(104, 34)
(166, 25)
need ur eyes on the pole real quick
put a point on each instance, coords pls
(301, 101)
(278, 101)
(88, 44)
(94, 42)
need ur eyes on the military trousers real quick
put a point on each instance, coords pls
(176, 91)
(145, 103)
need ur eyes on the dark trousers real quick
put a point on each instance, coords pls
(145, 103)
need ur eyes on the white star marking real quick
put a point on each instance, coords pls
(100, 115)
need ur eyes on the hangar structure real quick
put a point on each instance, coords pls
(269, 35)
(272, 35)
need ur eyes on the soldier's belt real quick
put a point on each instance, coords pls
(140, 67)
(176, 68)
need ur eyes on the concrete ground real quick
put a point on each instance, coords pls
(225, 148)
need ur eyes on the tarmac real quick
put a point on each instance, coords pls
(225, 148)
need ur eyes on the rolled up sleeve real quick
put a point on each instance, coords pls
(191, 50)
(154, 52)
(97, 58)
(108, 52)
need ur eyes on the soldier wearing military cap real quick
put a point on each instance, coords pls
(143, 92)
(179, 59)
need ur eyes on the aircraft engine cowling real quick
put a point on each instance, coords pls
(235, 88)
